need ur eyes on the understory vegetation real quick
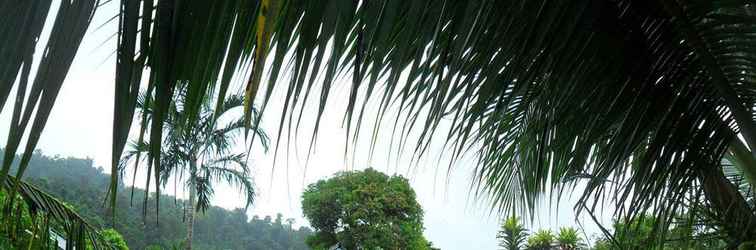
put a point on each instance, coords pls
(636, 234)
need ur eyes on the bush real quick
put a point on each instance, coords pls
(541, 240)
(115, 239)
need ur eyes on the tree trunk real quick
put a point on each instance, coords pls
(738, 220)
(190, 214)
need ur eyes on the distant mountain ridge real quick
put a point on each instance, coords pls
(78, 182)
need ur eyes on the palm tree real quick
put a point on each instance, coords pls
(200, 151)
(639, 100)
(512, 235)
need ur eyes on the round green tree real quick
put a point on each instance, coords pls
(364, 210)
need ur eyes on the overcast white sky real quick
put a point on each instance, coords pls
(81, 122)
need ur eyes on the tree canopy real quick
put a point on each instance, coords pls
(364, 210)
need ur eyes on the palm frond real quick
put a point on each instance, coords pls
(647, 94)
(230, 159)
(71, 23)
(229, 103)
(55, 215)
(237, 178)
(204, 191)
(636, 92)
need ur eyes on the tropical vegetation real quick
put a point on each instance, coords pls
(364, 210)
(636, 234)
(568, 238)
(202, 151)
(512, 235)
(33, 219)
(648, 105)
(83, 187)
(639, 233)
(540, 240)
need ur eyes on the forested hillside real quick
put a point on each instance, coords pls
(77, 182)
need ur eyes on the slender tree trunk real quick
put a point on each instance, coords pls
(190, 214)
(738, 220)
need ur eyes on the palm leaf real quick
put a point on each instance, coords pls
(648, 94)
(71, 23)
(238, 178)
(539, 90)
(57, 216)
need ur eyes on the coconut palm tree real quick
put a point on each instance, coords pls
(639, 100)
(200, 153)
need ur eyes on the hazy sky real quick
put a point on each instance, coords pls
(81, 125)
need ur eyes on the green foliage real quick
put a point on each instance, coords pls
(636, 234)
(568, 238)
(639, 234)
(115, 239)
(512, 235)
(6, 243)
(675, 85)
(198, 147)
(31, 215)
(364, 210)
(540, 240)
(518, 77)
(603, 244)
(747, 246)
(84, 187)
(24, 21)
(197, 150)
